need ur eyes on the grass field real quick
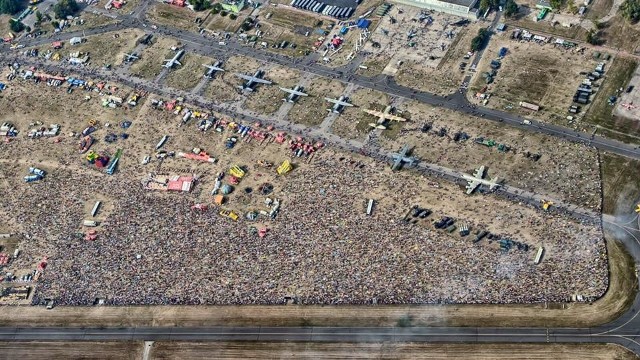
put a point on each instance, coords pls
(598, 9)
(618, 33)
(63, 350)
(189, 74)
(150, 64)
(174, 16)
(105, 49)
(396, 350)
(621, 184)
(574, 32)
(601, 113)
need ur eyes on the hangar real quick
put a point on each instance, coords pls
(464, 8)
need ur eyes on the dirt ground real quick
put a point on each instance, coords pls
(545, 75)
(446, 77)
(301, 350)
(565, 170)
(105, 49)
(4, 24)
(429, 43)
(620, 184)
(267, 99)
(174, 16)
(353, 123)
(189, 74)
(151, 60)
(63, 350)
(291, 25)
(311, 110)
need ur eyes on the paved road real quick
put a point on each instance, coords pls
(457, 102)
(624, 331)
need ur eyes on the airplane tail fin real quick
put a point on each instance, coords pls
(496, 183)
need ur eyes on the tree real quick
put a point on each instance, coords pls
(16, 26)
(484, 5)
(478, 42)
(592, 37)
(630, 10)
(199, 5)
(9, 7)
(65, 8)
(233, 16)
(510, 8)
(557, 4)
(38, 17)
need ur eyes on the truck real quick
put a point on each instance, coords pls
(529, 106)
(230, 214)
(90, 223)
(526, 122)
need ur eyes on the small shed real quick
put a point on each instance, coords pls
(501, 27)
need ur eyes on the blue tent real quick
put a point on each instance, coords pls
(364, 23)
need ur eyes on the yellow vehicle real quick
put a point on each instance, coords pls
(285, 167)
(230, 214)
(638, 208)
(236, 171)
(546, 204)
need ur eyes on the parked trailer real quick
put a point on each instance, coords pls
(529, 106)
(293, 2)
(538, 257)
(95, 208)
(303, 3)
(327, 9)
(334, 11)
(311, 4)
(342, 12)
(90, 223)
(582, 101)
(370, 207)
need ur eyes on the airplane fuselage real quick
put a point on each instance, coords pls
(174, 60)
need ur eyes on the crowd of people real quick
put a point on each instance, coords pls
(321, 249)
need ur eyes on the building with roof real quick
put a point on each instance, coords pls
(464, 8)
(233, 6)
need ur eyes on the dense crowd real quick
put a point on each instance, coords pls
(321, 249)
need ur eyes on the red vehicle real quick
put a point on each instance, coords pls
(86, 143)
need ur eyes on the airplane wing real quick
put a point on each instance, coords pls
(177, 62)
(396, 163)
(213, 68)
(338, 102)
(294, 92)
(394, 117)
(262, 81)
(246, 77)
(479, 173)
(374, 112)
(472, 185)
